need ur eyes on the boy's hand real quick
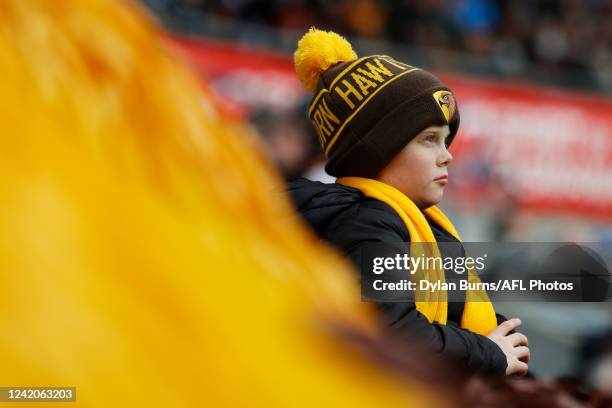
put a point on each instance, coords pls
(513, 345)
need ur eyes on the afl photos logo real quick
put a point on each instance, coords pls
(446, 103)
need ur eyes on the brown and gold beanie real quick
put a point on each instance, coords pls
(365, 110)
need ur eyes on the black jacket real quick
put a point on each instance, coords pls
(347, 219)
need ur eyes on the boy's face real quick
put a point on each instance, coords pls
(418, 170)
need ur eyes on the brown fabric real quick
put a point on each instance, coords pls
(366, 110)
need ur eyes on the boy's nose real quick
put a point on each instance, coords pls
(445, 158)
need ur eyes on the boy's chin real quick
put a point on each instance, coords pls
(433, 200)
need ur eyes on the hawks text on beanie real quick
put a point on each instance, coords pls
(365, 110)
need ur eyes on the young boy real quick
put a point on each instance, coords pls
(385, 127)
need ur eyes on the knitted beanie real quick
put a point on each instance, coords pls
(365, 110)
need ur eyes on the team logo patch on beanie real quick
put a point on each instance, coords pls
(446, 103)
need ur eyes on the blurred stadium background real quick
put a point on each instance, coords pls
(533, 160)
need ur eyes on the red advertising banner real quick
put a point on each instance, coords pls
(245, 78)
(551, 149)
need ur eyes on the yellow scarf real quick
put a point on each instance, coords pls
(478, 313)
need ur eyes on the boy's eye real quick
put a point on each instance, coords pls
(430, 138)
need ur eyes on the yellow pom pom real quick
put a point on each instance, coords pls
(317, 51)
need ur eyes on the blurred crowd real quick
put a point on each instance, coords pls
(290, 142)
(557, 34)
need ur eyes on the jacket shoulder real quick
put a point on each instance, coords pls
(368, 220)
